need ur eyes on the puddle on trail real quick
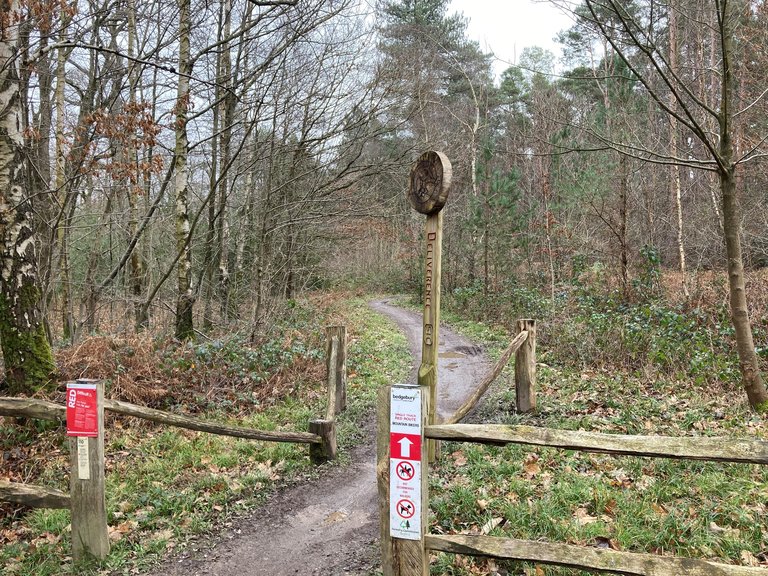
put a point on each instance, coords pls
(337, 516)
(451, 355)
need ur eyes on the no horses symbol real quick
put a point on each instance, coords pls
(405, 471)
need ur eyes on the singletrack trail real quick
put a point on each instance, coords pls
(329, 525)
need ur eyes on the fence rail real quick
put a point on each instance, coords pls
(416, 562)
(571, 556)
(87, 498)
(33, 496)
(45, 410)
(717, 449)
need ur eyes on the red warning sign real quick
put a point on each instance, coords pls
(405, 471)
(82, 410)
(405, 508)
(405, 446)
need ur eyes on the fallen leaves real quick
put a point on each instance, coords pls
(117, 533)
(531, 466)
(583, 517)
(459, 459)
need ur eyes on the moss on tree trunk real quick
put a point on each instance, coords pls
(26, 352)
(28, 358)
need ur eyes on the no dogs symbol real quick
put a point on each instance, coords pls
(405, 471)
(405, 508)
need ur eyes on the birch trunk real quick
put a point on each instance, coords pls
(185, 295)
(26, 351)
(673, 136)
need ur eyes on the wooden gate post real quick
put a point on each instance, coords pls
(400, 556)
(326, 450)
(525, 369)
(336, 369)
(86, 479)
(429, 185)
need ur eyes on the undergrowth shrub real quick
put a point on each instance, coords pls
(589, 325)
(650, 338)
(158, 371)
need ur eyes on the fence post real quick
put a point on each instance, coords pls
(336, 366)
(400, 557)
(525, 368)
(88, 502)
(325, 451)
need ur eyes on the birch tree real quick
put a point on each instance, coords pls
(26, 351)
(184, 296)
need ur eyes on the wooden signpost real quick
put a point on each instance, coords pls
(85, 427)
(404, 411)
(428, 191)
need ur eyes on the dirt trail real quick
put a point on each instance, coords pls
(328, 526)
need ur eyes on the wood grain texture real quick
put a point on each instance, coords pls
(430, 182)
(430, 336)
(340, 365)
(688, 448)
(332, 352)
(466, 408)
(33, 496)
(326, 450)
(31, 408)
(583, 557)
(399, 557)
(42, 409)
(189, 423)
(525, 369)
(88, 501)
(382, 478)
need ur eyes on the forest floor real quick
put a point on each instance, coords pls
(329, 525)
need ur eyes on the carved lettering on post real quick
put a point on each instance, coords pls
(429, 185)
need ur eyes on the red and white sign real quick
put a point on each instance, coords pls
(405, 508)
(405, 446)
(82, 409)
(405, 471)
(405, 440)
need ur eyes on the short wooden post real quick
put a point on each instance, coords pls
(525, 368)
(336, 369)
(400, 557)
(325, 451)
(88, 501)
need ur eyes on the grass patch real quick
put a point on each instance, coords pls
(704, 510)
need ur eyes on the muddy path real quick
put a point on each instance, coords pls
(330, 525)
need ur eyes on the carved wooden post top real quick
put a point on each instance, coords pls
(429, 183)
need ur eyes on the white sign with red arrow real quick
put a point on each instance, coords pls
(405, 463)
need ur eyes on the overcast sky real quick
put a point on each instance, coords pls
(505, 27)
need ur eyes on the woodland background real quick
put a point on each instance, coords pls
(191, 167)
(190, 190)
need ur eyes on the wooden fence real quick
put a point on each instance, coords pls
(86, 498)
(411, 557)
